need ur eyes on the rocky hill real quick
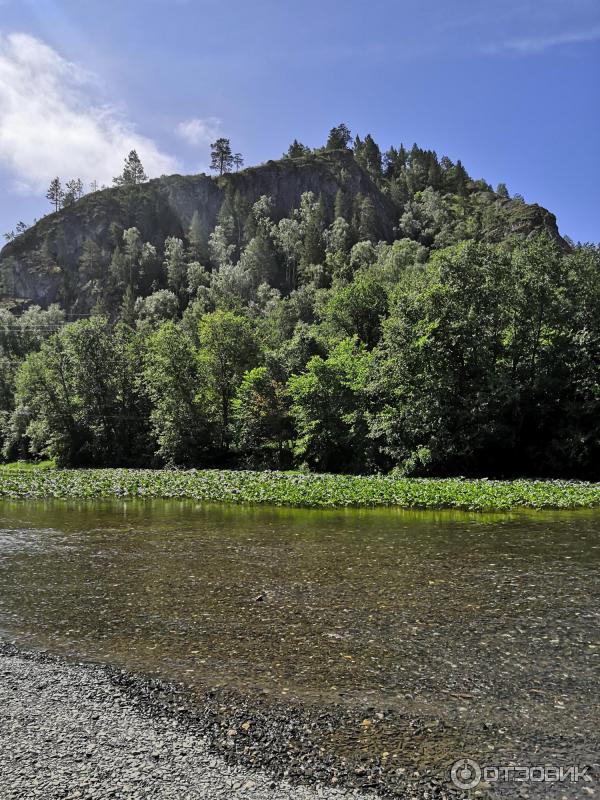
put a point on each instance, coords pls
(41, 265)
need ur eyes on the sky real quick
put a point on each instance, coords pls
(511, 87)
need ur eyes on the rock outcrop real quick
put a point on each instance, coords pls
(41, 265)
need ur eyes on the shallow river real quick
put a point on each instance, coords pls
(486, 625)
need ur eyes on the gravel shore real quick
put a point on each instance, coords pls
(67, 731)
(72, 731)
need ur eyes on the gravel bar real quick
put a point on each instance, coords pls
(69, 731)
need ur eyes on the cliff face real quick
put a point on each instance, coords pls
(35, 266)
(41, 265)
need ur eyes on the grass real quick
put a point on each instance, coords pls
(294, 489)
(27, 466)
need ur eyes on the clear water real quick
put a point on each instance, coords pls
(486, 622)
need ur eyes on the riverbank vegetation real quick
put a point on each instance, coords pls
(296, 489)
(456, 348)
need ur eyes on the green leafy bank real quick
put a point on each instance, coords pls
(294, 489)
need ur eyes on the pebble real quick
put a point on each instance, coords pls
(48, 748)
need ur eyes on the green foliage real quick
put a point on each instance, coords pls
(297, 150)
(222, 159)
(339, 138)
(358, 308)
(133, 171)
(75, 400)
(261, 412)
(293, 489)
(180, 418)
(327, 408)
(228, 348)
(401, 315)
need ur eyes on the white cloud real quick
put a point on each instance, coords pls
(199, 131)
(537, 44)
(49, 125)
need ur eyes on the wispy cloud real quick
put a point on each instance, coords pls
(50, 125)
(199, 132)
(530, 45)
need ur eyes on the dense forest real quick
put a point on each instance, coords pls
(427, 324)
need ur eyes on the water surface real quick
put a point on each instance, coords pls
(487, 622)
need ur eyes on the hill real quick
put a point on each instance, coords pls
(43, 265)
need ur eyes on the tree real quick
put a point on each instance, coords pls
(439, 381)
(76, 396)
(312, 218)
(328, 409)
(133, 172)
(261, 415)
(221, 157)
(368, 155)
(157, 308)
(297, 150)
(172, 380)
(198, 239)
(237, 161)
(227, 349)
(176, 266)
(358, 308)
(90, 262)
(288, 237)
(368, 224)
(74, 191)
(339, 138)
(55, 193)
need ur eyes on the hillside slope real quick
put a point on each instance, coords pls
(35, 265)
(41, 265)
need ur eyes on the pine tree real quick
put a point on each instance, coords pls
(368, 228)
(371, 157)
(198, 240)
(133, 172)
(74, 188)
(339, 138)
(341, 207)
(297, 150)
(238, 161)
(55, 193)
(221, 157)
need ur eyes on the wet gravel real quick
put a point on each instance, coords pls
(82, 731)
(70, 732)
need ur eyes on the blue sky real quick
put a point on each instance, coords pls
(511, 87)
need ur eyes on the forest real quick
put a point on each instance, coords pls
(459, 345)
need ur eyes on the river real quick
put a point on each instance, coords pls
(486, 627)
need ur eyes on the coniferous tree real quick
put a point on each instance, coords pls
(341, 205)
(297, 150)
(74, 189)
(371, 158)
(55, 193)
(339, 138)
(198, 239)
(221, 157)
(133, 171)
